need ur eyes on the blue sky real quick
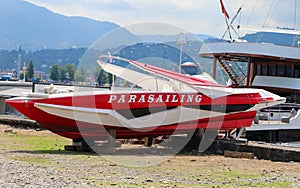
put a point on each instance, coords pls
(197, 16)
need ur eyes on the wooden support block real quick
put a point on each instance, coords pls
(237, 154)
(138, 142)
(8, 131)
(148, 141)
(106, 144)
(77, 148)
(69, 148)
(111, 141)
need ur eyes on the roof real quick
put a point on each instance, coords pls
(245, 49)
(14, 92)
(277, 82)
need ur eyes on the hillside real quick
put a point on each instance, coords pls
(35, 27)
(275, 38)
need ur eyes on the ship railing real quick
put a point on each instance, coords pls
(49, 88)
(278, 116)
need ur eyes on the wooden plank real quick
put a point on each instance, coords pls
(111, 141)
(237, 154)
(248, 72)
(148, 141)
(77, 148)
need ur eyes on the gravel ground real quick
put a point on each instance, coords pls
(26, 168)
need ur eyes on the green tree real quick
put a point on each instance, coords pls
(30, 71)
(21, 76)
(62, 73)
(96, 72)
(81, 75)
(98, 76)
(103, 78)
(70, 71)
(54, 72)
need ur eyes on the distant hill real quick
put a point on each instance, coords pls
(275, 38)
(34, 27)
(168, 38)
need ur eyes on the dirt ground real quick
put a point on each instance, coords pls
(36, 159)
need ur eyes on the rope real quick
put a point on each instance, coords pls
(268, 14)
(295, 15)
(296, 37)
(252, 12)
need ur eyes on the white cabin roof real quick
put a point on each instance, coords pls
(277, 82)
(246, 49)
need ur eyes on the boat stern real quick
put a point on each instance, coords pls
(20, 104)
(268, 99)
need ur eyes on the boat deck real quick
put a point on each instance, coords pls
(271, 125)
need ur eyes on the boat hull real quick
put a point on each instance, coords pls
(197, 111)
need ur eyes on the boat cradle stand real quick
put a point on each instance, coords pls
(83, 145)
(260, 150)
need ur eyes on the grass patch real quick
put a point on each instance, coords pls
(31, 141)
(273, 184)
(33, 160)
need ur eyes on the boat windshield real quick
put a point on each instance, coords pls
(192, 69)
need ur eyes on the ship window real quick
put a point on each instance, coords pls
(280, 70)
(295, 98)
(257, 69)
(271, 70)
(263, 70)
(297, 71)
(288, 70)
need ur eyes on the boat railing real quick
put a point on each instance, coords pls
(280, 115)
(110, 57)
(50, 88)
(160, 82)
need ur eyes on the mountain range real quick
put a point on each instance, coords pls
(272, 37)
(35, 27)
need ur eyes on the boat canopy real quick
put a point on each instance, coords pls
(276, 82)
(246, 49)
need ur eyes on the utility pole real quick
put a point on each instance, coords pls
(19, 62)
(24, 71)
(181, 40)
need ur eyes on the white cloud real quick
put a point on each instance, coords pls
(190, 5)
(198, 16)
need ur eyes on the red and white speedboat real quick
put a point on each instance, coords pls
(168, 102)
